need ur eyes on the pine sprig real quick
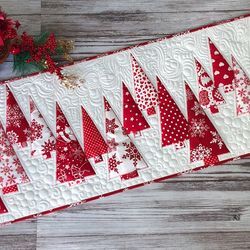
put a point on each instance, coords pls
(32, 54)
(36, 54)
(21, 67)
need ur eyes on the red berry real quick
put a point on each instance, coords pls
(15, 50)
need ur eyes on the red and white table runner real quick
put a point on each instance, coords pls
(144, 113)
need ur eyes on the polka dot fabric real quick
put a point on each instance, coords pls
(222, 71)
(174, 126)
(146, 95)
(133, 120)
(94, 144)
(10, 189)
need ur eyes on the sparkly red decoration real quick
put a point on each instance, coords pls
(8, 28)
(41, 54)
(27, 50)
(15, 50)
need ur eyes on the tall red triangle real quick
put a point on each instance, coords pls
(11, 169)
(17, 127)
(209, 96)
(94, 144)
(43, 142)
(242, 89)
(3, 208)
(205, 141)
(71, 162)
(174, 126)
(222, 71)
(124, 159)
(145, 93)
(133, 119)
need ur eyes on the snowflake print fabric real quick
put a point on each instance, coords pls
(94, 144)
(111, 126)
(17, 127)
(11, 170)
(209, 95)
(242, 89)
(205, 142)
(124, 158)
(43, 142)
(174, 126)
(72, 164)
(131, 153)
(198, 127)
(222, 71)
(146, 95)
(133, 119)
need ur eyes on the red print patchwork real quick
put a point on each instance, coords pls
(124, 159)
(43, 142)
(209, 95)
(3, 208)
(11, 170)
(94, 144)
(205, 141)
(17, 127)
(72, 164)
(10, 189)
(145, 93)
(242, 89)
(133, 119)
(174, 126)
(222, 71)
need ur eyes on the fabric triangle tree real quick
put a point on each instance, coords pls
(209, 95)
(11, 169)
(71, 163)
(242, 89)
(174, 126)
(133, 119)
(94, 144)
(17, 127)
(43, 142)
(145, 93)
(222, 71)
(205, 142)
(124, 159)
(3, 208)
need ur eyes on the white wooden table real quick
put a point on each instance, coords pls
(209, 209)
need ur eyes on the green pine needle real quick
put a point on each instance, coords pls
(42, 38)
(21, 67)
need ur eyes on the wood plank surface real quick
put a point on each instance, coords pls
(139, 6)
(209, 209)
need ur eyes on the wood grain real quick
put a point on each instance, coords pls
(139, 6)
(24, 7)
(209, 209)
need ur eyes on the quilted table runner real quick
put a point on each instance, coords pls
(141, 114)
